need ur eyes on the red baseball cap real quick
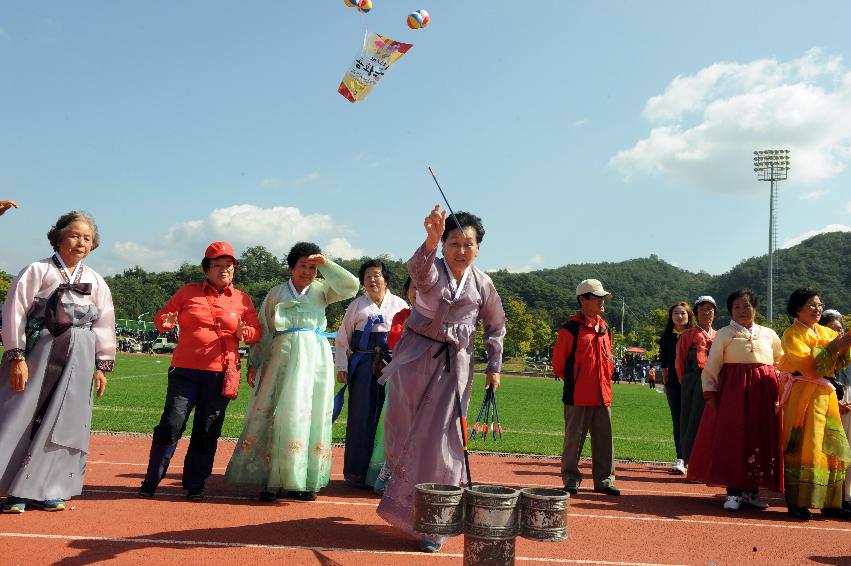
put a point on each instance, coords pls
(219, 249)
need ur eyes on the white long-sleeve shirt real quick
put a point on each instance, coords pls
(355, 319)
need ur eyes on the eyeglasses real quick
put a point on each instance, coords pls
(816, 306)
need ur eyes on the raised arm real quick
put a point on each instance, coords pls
(421, 265)
(339, 284)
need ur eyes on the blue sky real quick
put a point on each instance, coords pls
(579, 131)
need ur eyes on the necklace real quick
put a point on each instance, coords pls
(809, 328)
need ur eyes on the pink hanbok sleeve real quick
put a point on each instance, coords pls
(19, 300)
(492, 316)
(422, 269)
(104, 326)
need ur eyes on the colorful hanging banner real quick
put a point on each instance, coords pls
(377, 55)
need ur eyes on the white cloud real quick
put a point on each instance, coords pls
(707, 125)
(813, 195)
(270, 183)
(342, 248)
(311, 177)
(244, 225)
(581, 122)
(276, 182)
(806, 235)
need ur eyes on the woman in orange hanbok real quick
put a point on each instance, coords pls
(816, 451)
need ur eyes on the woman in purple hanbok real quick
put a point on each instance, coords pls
(59, 335)
(433, 360)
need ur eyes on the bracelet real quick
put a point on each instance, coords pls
(16, 354)
(104, 365)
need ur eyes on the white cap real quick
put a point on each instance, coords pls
(705, 299)
(594, 287)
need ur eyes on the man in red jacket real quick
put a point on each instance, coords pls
(582, 358)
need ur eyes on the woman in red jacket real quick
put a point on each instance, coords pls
(213, 317)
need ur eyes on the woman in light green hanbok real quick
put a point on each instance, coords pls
(285, 445)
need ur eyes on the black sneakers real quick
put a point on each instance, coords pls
(147, 490)
(196, 494)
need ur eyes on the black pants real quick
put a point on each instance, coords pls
(673, 392)
(366, 400)
(188, 389)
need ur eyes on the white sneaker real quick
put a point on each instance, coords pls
(679, 468)
(753, 500)
(733, 503)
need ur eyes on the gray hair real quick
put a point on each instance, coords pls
(57, 232)
(830, 315)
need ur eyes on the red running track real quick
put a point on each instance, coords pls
(659, 519)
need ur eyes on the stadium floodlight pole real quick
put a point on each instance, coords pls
(771, 165)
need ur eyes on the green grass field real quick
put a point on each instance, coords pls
(530, 410)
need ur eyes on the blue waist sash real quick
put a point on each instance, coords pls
(318, 331)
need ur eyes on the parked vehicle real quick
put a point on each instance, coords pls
(162, 345)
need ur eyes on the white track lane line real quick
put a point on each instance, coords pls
(313, 548)
(643, 519)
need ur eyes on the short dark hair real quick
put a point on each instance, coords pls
(374, 263)
(585, 295)
(466, 220)
(406, 287)
(799, 298)
(205, 263)
(300, 250)
(739, 293)
(55, 234)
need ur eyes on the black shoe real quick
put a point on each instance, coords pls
(800, 513)
(610, 490)
(836, 513)
(846, 505)
(571, 490)
(302, 495)
(196, 494)
(268, 495)
(147, 489)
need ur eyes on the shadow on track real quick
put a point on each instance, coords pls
(313, 534)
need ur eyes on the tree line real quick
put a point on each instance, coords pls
(538, 302)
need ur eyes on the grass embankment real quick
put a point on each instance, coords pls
(530, 410)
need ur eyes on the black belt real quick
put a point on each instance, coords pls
(444, 349)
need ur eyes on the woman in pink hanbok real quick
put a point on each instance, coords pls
(433, 360)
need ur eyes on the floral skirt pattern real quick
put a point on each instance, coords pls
(738, 444)
(286, 437)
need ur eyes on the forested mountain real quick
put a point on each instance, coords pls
(643, 285)
(646, 284)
